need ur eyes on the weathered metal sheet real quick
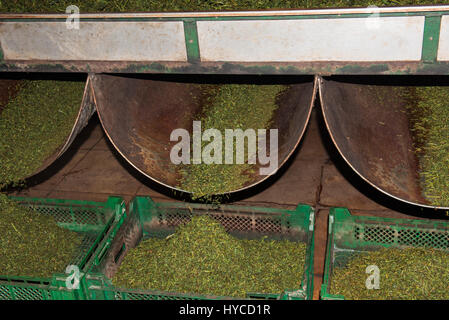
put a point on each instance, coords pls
(370, 128)
(400, 40)
(351, 39)
(93, 41)
(239, 14)
(138, 115)
(272, 68)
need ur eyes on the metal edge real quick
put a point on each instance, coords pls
(87, 106)
(250, 13)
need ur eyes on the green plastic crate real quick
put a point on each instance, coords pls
(149, 219)
(351, 234)
(93, 220)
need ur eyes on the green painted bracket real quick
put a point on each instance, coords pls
(191, 36)
(431, 39)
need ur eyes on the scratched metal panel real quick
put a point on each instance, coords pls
(105, 41)
(345, 39)
(443, 47)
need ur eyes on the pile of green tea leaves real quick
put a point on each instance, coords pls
(409, 274)
(34, 124)
(230, 106)
(429, 122)
(41, 6)
(32, 244)
(202, 258)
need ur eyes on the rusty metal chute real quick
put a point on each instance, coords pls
(139, 114)
(370, 128)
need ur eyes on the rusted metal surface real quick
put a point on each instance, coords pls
(138, 115)
(269, 68)
(370, 128)
(87, 109)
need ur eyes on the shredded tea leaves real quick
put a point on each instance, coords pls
(411, 274)
(202, 258)
(230, 106)
(34, 124)
(428, 110)
(32, 244)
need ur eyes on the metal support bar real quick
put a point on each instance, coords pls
(431, 38)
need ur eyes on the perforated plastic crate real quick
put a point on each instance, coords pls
(149, 219)
(92, 220)
(351, 234)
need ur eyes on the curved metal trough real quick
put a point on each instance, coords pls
(370, 128)
(139, 114)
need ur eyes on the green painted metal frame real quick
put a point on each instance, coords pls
(143, 210)
(427, 66)
(431, 39)
(55, 288)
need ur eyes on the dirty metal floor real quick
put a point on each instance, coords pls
(316, 175)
